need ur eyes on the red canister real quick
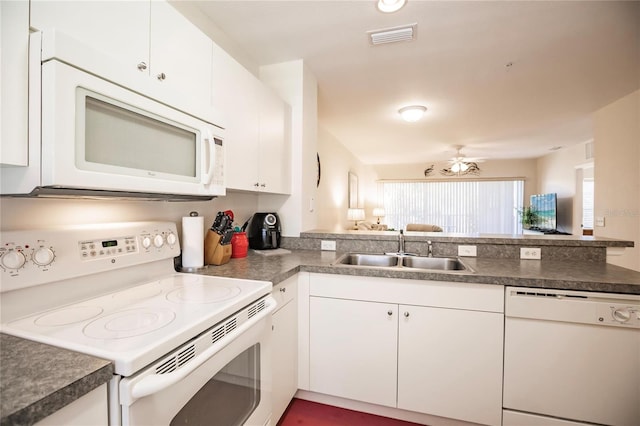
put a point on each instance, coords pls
(239, 245)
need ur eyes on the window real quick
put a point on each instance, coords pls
(482, 206)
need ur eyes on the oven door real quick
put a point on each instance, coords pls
(231, 386)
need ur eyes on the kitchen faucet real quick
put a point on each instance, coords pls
(401, 242)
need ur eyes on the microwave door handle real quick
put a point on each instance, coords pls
(210, 151)
(154, 383)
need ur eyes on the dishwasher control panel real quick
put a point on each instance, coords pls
(570, 306)
(619, 315)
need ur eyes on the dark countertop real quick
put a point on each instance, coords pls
(567, 275)
(504, 239)
(37, 379)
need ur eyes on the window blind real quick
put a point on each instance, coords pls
(457, 206)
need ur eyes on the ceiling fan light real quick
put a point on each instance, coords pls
(463, 166)
(455, 167)
(390, 6)
(412, 113)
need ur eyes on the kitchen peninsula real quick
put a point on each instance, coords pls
(567, 262)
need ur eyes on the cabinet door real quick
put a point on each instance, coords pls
(353, 349)
(180, 56)
(450, 363)
(14, 54)
(90, 409)
(235, 92)
(274, 166)
(119, 29)
(284, 358)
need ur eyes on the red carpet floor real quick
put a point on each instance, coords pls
(307, 413)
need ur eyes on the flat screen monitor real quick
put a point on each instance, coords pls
(546, 206)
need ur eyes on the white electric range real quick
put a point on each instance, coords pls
(111, 291)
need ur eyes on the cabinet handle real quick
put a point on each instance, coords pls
(389, 312)
(406, 314)
(263, 185)
(283, 289)
(257, 184)
(162, 76)
(142, 66)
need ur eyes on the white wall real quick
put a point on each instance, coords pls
(332, 196)
(558, 172)
(617, 175)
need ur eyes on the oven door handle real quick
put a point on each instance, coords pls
(153, 383)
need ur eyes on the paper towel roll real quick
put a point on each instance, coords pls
(193, 241)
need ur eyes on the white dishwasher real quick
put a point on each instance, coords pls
(571, 358)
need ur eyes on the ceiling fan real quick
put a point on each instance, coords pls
(461, 165)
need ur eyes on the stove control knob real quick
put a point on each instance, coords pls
(158, 241)
(146, 242)
(43, 256)
(621, 315)
(13, 260)
(171, 238)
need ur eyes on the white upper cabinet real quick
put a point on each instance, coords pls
(274, 164)
(234, 92)
(180, 55)
(147, 38)
(14, 52)
(256, 124)
(118, 29)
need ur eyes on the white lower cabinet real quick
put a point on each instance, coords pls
(450, 363)
(430, 347)
(353, 350)
(90, 409)
(284, 356)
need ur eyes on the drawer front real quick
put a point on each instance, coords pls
(441, 294)
(285, 291)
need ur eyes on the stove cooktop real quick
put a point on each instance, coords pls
(135, 326)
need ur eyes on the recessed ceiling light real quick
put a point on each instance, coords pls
(412, 113)
(390, 6)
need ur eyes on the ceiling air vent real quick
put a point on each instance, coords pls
(393, 35)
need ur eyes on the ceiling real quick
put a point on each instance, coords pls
(505, 79)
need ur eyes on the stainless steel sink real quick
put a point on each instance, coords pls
(368, 260)
(447, 264)
(439, 263)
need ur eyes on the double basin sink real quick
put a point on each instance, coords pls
(396, 260)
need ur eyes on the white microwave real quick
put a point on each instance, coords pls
(104, 136)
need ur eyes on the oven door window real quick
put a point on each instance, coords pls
(229, 398)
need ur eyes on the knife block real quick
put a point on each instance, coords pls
(214, 252)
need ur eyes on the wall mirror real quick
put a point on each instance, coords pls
(353, 191)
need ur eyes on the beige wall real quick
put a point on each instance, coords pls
(332, 195)
(31, 213)
(617, 175)
(560, 172)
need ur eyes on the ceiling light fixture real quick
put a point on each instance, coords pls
(390, 6)
(412, 113)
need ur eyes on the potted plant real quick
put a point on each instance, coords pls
(529, 217)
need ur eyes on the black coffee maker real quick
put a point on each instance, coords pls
(263, 231)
